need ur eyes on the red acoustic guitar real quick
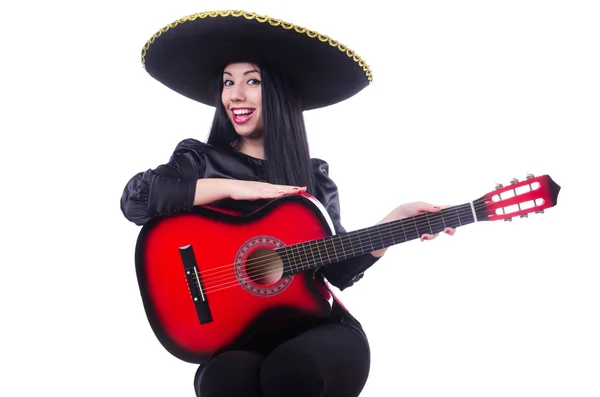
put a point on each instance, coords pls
(209, 280)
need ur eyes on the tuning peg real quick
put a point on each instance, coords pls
(499, 186)
(508, 220)
(539, 211)
(524, 215)
(530, 176)
(513, 181)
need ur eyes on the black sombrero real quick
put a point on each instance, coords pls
(189, 54)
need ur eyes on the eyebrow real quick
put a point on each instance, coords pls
(245, 73)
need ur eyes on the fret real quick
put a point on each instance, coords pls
(352, 246)
(360, 236)
(336, 249)
(310, 258)
(303, 256)
(451, 217)
(306, 262)
(429, 223)
(414, 219)
(389, 234)
(376, 240)
(410, 231)
(403, 231)
(312, 253)
(466, 214)
(297, 257)
(370, 241)
(383, 245)
(340, 239)
(332, 248)
(436, 222)
(457, 215)
(291, 257)
(319, 252)
(347, 238)
(290, 251)
(443, 220)
(422, 225)
(326, 251)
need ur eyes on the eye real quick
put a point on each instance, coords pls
(254, 81)
(227, 82)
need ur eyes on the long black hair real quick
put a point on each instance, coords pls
(284, 133)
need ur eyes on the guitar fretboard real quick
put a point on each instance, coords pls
(316, 253)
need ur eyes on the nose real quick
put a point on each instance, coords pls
(238, 93)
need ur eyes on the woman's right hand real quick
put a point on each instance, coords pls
(249, 190)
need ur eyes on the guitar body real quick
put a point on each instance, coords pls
(209, 280)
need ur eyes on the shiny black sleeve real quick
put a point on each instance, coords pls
(343, 274)
(166, 190)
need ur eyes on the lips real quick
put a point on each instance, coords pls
(241, 115)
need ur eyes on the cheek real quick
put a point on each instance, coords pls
(225, 104)
(257, 100)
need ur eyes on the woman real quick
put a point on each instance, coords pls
(257, 150)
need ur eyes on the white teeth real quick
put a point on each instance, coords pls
(242, 111)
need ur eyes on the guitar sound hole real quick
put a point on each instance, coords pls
(264, 266)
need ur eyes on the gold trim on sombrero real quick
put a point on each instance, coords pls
(262, 19)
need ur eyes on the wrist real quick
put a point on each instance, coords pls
(226, 186)
(209, 190)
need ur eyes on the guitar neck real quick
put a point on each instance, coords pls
(532, 195)
(316, 253)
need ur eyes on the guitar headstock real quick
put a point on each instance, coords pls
(519, 198)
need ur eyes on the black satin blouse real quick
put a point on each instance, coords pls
(170, 188)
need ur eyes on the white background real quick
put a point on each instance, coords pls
(466, 94)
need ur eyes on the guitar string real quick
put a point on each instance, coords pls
(364, 235)
(230, 279)
(423, 219)
(361, 238)
(299, 266)
(211, 276)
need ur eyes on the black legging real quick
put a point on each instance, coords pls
(330, 360)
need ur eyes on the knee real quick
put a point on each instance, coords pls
(229, 374)
(291, 378)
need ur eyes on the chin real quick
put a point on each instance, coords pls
(244, 133)
(248, 133)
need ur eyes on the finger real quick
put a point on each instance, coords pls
(294, 190)
(450, 231)
(429, 237)
(289, 187)
(288, 190)
(426, 207)
(440, 207)
(297, 190)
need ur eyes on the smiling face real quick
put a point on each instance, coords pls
(242, 98)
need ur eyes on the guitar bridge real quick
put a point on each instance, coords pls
(195, 284)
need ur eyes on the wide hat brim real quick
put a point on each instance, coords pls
(189, 54)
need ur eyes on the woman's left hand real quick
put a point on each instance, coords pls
(411, 209)
(418, 207)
